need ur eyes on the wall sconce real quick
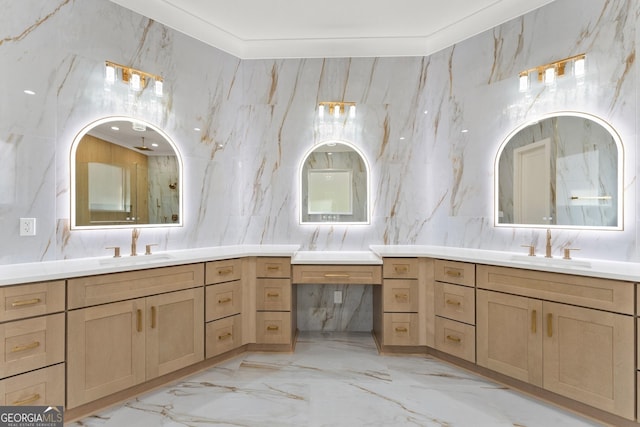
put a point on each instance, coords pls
(337, 109)
(136, 79)
(548, 73)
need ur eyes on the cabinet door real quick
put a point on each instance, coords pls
(175, 331)
(589, 357)
(509, 335)
(105, 350)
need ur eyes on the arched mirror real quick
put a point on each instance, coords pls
(334, 185)
(563, 170)
(125, 172)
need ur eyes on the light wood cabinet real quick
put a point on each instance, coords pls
(223, 300)
(223, 271)
(114, 346)
(275, 302)
(223, 335)
(337, 274)
(579, 352)
(456, 338)
(32, 344)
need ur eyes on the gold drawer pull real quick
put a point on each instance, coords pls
(453, 273)
(224, 336)
(273, 294)
(454, 339)
(25, 302)
(30, 399)
(273, 328)
(153, 316)
(31, 346)
(401, 269)
(139, 320)
(402, 296)
(224, 300)
(534, 321)
(273, 267)
(452, 302)
(337, 275)
(401, 329)
(225, 271)
(549, 325)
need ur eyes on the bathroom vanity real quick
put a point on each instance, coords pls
(565, 332)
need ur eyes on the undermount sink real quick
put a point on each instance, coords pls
(555, 262)
(135, 260)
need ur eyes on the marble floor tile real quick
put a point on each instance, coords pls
(335, 379)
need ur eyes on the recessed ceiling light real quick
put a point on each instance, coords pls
(29, 92)
(426, 111)
(115, 128)
(402, 138)
(196, 129)
(465, 130)
(154, 145)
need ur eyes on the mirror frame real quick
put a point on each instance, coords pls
(72, 183)
(300, 189)
(619, 174)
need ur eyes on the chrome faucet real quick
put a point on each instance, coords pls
(548, 247)
(135, 233)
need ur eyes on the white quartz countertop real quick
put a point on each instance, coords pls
(13, 274)
(628, 271)
(336, 257)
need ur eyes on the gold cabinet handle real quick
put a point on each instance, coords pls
(452, 302)
(31, 346)
(402, 296)
(454, 339)
(139, 320)
(272, 328)
(401, 269)
(25, 302)
(335, 275)
(224, 336)
(225, 271)
(224, 300)
(401, 329)
(153, 316)
(273, 294)
(549, 325)
(273, 267)
(534, 321)
(29, 399)
(453, 273)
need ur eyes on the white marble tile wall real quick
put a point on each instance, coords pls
(431, 183)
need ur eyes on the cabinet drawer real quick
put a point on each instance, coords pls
(604, 294)
(273, 267)
(400, 268)
(223, 335)
(223, 271)
(223, 300)
(31, 300)
(455, 338)
(400, 295)
(107, 288)
(44, 387)
(337, 274)
(400, 329)
(460, 273)
(455, 302)
(273, 327)
(273, 294)
(31, 344)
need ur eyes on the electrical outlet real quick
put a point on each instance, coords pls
(27, 226)
(337, 297)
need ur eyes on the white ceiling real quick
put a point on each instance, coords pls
(330, 28)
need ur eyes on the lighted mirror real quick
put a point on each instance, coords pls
(563, 170)
(125, 172)
(334, 185)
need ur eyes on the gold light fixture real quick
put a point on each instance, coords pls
(337, 109)
(548, 73)
(136, 79)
